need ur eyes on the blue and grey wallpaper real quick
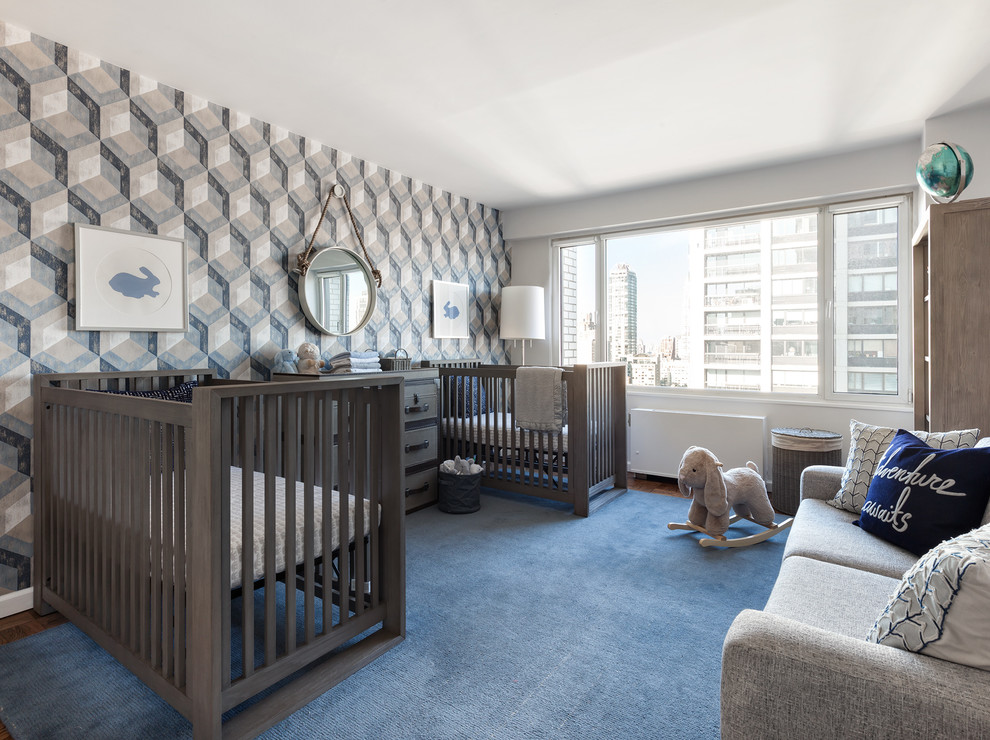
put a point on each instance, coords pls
(83, 141)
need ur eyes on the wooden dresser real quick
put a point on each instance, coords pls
(420, 443)
(952, 311)
(419, 420)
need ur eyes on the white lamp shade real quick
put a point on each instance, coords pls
(522, 315)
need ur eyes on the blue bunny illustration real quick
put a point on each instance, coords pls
(133, 286)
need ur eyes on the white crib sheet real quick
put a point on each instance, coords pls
(236, 523)
(491, 428)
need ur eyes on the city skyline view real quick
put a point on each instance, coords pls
(735, 306)
(662, 259)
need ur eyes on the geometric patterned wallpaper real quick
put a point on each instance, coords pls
(83, 141)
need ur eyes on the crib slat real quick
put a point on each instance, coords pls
(223, 580)
(609, 435)
(65, 501)
(180, 557)
(271, 460)
(470, 386)
(375, 495)
(102, 463)
(359, 446)
(309, 547)
(168, 549)
(448, 418)
(133, 539)
(600, 417)
(89, 481)
(290, 456)
(345, 488)
(157, 450)
(112, 525)
(124, 478)
(326, 504)
(144, 566)
(79, 483)
(62, 532)
(246, 424)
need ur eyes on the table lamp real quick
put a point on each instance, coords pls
(522, 315)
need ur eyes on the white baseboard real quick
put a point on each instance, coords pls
(16, 602)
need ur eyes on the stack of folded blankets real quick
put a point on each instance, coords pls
(353, 362)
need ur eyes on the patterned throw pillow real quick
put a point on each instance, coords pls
(920, 496)
(940, 607)
(867, 444)
(181, 392)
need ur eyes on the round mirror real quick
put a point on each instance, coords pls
(337, 293)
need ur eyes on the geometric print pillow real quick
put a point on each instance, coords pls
(867, 443)
(942, 604)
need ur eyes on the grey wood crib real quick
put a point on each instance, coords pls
(218, 547)
(583, 465)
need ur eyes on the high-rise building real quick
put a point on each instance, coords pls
(865, 258)
(569, 351)
(586, 337)
(668, 348)
(760, 329)
(645, 369)
(622, 313)
(760, 293)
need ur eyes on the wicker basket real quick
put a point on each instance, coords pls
(793, 451)
(392, 361)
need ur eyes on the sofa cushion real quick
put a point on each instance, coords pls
(829, 596)
(920, 496)
(824, 533)
(866, 445)
(941, 605)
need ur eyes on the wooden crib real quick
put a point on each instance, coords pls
(583, 465)
(189, 539)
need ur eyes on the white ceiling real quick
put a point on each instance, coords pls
(518, 102)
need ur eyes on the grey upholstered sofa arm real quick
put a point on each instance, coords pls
(821, 482)
(784, 679)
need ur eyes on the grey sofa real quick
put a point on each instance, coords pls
(801, 668)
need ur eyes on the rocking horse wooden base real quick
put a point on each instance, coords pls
(723, 541)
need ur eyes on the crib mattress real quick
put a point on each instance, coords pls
(491, 428)
(281, 526)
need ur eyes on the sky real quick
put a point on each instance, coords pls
(660, 261)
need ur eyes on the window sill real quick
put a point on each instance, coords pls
(774, 399)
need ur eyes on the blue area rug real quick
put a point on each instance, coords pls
(523, 621)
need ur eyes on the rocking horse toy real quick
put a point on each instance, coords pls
(716, 492)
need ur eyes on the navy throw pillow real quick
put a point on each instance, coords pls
(469, 398)
(920, 495)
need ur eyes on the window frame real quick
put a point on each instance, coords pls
(826, 209)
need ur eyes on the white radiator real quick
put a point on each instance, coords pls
(658, 439)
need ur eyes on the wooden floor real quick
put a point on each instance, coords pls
(21, 625)
(653, 484)
(29, 623)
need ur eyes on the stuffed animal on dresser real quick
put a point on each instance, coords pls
(285, 362)
(309, 359)
(715, 492)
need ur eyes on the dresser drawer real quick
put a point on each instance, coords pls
(419, 446)
(420, 402)
(421, 488)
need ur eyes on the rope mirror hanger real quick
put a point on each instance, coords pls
(302, 260)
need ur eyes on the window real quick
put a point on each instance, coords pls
(866, 270)
(795, 302)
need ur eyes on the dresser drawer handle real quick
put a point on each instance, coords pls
(425, 444)
(422, 489)
(414, 409)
